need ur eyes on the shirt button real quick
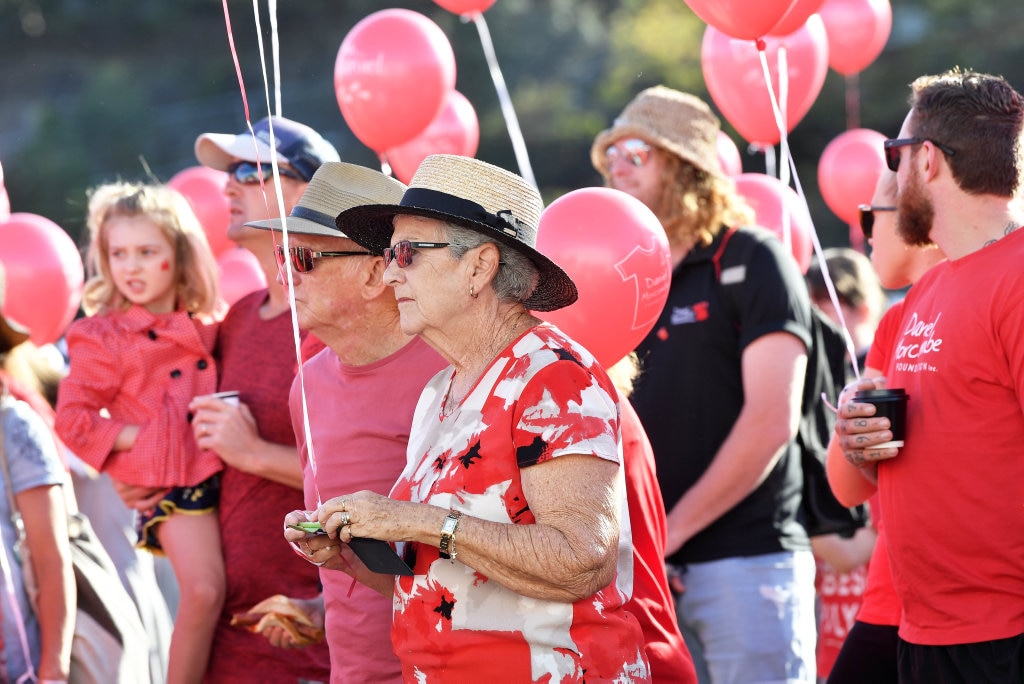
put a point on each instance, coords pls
(151, 334)
(201, 364)
(175, 373)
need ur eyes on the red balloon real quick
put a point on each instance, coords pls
(203, 187)
(796, 16)
(392, 74)
(778, 208)
(848, 171)
(465, 6)
(44, 275)
(240, 274)
(741, 18)
(735, 80)
(615, 250)
(729, 155)
(857, 32)
(454, 131)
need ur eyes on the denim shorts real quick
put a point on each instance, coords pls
(751, 619)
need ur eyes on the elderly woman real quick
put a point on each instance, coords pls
(511, 501)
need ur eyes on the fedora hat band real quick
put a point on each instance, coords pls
(313, 215)
(457, 207)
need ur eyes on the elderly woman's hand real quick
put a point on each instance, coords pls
(858, 431)
(315, 547)
(361, 514)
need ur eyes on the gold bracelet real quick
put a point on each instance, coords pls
(447, 546)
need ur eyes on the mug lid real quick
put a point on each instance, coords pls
(887, 393)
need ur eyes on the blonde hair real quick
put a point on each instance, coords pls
(696, 204)
(196, 268)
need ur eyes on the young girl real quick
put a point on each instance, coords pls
(140, 356)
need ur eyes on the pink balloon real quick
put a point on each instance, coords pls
(848, 171)
(240, 274)
(741, 18)
(44, 275)
(796, 16)
(615, 250)
(778, 208)
(465, 6)
(203, 187)
(455, 130)
(729, 155)
(857, 32)
(735, 80)
(392, 74)
(5, 204)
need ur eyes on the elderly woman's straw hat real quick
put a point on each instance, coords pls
(11, 333)
(473, 194)
(679, 123)
(335, 187)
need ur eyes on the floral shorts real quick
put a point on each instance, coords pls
(196, 500)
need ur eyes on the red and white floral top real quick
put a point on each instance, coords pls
(543, 397)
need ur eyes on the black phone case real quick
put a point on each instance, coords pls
(378, 556)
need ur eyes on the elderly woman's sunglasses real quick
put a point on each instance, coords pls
(633, 150)
(401, 252)
(304, 259)
(247, 173)
(867, 218)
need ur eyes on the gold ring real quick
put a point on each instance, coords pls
(346, 519)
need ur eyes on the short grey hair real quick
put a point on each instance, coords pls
(517, 276)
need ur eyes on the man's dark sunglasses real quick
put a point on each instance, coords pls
(892, 146)
(246, 173)
(304, 259)
(867, 218)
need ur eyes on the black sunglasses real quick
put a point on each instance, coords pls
(892, 146)
(402, 251)
(304, 259)
(867, 218)
(247, 173)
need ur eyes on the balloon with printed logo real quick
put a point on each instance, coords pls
(741, 18)
(240, 274)
(779, 209)
(796, 16)
(391, 76)
(735, 80)
(615, 250)
(848, 171)
(203, 187)
(455, 130)
(465, 6)
(44, 275)
(857, 32)
(729, 155)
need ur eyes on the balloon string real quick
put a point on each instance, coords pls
(511, 122)
(289, 277)
(818, 251)
(787, 230)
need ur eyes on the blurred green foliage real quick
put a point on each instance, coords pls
(95, 90)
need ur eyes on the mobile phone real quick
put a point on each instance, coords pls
(308, 527)
(229, 396)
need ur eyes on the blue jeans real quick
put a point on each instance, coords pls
(750, 619)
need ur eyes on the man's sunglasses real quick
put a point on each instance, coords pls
(867, 218)
(401, 252)
(892, 146)
(634, 150)
(304, 259)
(246, 173)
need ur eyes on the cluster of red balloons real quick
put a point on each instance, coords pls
(394, 78)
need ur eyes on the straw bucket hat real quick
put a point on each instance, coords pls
(11, 333)
(473, 194)
(677, 122)
(335, 187)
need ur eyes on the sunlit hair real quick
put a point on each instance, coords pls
(697, 203)
(979, 117)
(516, 278)
(623, 373)
(196, 268)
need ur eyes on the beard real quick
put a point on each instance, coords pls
(915, 213)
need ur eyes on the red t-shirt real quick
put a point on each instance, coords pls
(953, 496)
(257, 358)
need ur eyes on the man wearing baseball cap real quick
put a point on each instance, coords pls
(262, 480)
(720, 398)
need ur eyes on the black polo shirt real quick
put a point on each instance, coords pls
(690, 390)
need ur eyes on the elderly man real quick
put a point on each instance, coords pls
(358, 394)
